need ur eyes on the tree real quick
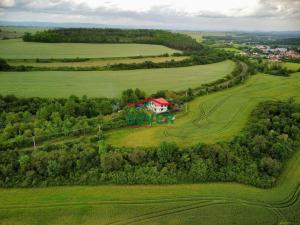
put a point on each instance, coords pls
(128, 96)
(24, 162)
(167, 152)
(199, 171)
(269, 166)
(3, 65)
(52, 168)
(111, 161)
(139, 94)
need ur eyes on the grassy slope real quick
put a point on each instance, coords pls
(17, 49)
(214, 117)
(291, 66)
(212, 203)
(94, 62)
(109, 83)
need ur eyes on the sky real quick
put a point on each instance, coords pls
(223, 15)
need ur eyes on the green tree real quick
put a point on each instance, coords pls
(167, 152)
(111, 161)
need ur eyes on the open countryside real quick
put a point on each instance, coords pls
(212, 118)
(17, 49)
(109, 83)
(198, 204)
(179, 115)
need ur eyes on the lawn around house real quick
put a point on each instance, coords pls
(109, 83)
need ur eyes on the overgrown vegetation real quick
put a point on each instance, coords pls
(23, 118)
(256, 157)
(108, 35)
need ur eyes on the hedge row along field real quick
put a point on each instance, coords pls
(109, 83)
(216, 117)
(190, 204)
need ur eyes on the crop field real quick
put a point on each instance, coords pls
(199, 204)
(17, 49)
(92, 62)
(109, 83)
(214, 117)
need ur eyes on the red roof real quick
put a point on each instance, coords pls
(160, 101)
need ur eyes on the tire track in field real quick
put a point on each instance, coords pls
(198, 202)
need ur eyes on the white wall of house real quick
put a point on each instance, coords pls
(157, 109)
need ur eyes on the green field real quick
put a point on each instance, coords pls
(109, 83)
(291, 66)
(92, 62)
(17, 49)
(22, 30)
(214, 117)
(194, 204)
(17, 32)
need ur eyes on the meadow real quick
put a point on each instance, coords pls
(93, 62)
(17, 49)
(291, 66)
(215, 117)
(109, 83)
(201, 204)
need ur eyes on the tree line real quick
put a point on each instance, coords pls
(256, 156)
(109, 35)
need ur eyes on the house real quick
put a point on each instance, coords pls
(158, 105)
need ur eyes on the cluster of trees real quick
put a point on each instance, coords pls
(273, 68)
(210, 56)
(3, 65)
(108, 35)
(255, 157)
(23, 118)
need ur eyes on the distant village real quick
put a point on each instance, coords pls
(274, 54)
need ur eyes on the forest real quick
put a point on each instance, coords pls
(96, 35)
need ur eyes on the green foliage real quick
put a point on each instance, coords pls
(255, 156)
(167, 152)
(108, 35)
(111, 161)
(3, 65)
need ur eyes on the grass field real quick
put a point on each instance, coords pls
(194, 204)
(22, 30)
(214, 117)
(17, 32)
(92, 62)
(109, 83)
(17, 49)
(291, 66)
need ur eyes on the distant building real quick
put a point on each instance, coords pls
(158, 105)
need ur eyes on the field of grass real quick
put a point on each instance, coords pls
(109, 83)
(16, 32)
(22, 30)
(231, 50)
(17, 49)
(215, 117)
(291, 66)
(92, 62)
(194, 34)
(186, 204)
